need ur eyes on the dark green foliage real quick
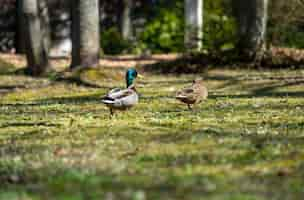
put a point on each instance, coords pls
(286, 35)
(165, 33)
(285, 25)
(112, 42)
(219, 26)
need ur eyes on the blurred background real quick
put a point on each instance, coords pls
(156, 26)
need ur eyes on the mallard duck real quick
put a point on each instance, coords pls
(123, 99)
(193, 94)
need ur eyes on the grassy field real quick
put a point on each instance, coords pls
(246, 142)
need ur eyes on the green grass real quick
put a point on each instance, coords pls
(246, 142)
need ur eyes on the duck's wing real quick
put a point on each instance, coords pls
(126, 97)
(186, 93)
(112, 93)
(122, 94)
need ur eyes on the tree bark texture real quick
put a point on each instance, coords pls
(193, 24)
(85, 33)
(36, 42)
(251, 16)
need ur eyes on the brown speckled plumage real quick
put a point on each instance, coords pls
(194, 94)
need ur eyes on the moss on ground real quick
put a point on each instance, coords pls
(246, 142)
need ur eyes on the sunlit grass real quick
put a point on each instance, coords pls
(57, 141)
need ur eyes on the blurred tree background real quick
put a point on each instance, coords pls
(285, 25)
(157, 26)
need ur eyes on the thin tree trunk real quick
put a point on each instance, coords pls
(36, 45)
(85, 33)
(125, 19)
(193, 24)
(20, 42)
(45, 24)
(251, 16)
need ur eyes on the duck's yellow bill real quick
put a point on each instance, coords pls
(140, 76)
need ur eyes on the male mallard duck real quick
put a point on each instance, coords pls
(123, 99)
(193, 94)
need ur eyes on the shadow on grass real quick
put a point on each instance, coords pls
(182, 65)
(267, 89)
(137, 58)
(75, 79)
(72, 100)
(28, 124)
(259, 94)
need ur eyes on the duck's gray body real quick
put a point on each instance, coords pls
(121, 99)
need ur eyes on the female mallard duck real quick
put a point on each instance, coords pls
(193, 94)
(123, 99)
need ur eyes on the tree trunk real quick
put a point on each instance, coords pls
(36, 44)
(45, 26)
(125, 19)
(193, 24)
(20, 41)
(251, 16)
(85, 33)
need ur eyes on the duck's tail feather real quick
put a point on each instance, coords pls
(108, 100)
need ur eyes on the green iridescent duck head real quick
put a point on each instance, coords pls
(131, 75)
